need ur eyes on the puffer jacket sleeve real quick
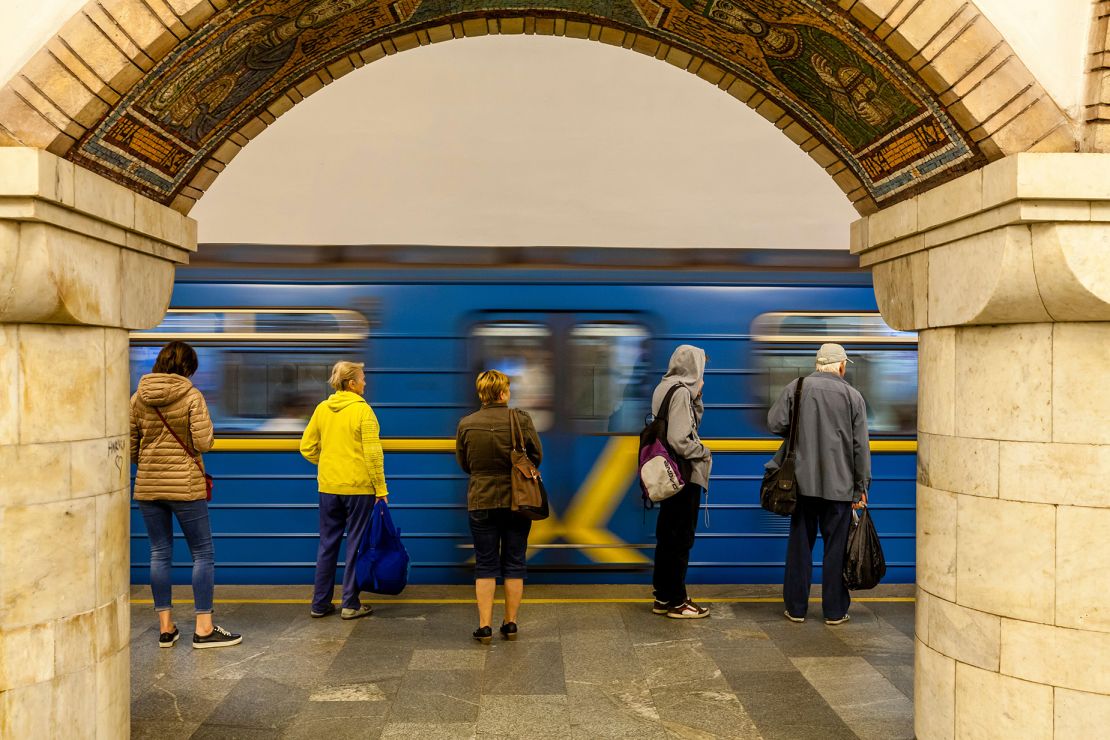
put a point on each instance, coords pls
(136, 430)
(372, 452)
(200, 423)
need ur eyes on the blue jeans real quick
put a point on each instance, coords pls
(193, 518)
(500, 543)
(336, 513)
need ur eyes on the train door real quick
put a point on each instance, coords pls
(584, 378)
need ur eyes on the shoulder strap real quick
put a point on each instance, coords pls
(792, 440)
(171, 431)
(515, 432)
(665, 404)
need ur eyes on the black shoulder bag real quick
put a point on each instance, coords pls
(778, 493)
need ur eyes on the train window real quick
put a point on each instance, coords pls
(885, 375)
(830, 326)
(610, 388)
(261, 370)
(259, 390)
(521, 350)
(272, 325)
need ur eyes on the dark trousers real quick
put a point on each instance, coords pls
(336, 513)
(833, 519)
(500, 543)
(674, 536)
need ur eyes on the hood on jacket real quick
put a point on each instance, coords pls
(162, 389)
(687, 366)
(342, 399)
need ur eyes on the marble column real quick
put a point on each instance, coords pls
(82, 261)
(1005, 272)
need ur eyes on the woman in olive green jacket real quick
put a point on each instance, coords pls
(483, 446)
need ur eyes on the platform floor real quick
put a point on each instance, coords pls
(591, 662)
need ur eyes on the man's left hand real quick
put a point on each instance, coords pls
(862, 501)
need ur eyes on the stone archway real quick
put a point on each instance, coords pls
(121, 122)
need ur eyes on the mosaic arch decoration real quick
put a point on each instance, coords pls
(807, 56)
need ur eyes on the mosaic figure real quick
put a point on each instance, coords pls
(199, 97)
(825, 74)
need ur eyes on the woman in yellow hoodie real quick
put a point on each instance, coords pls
(342, 440)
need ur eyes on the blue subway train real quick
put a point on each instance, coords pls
(584, 334)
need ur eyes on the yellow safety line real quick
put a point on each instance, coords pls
(721, 600)
(439, 444)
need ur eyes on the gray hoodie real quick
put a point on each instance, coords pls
(686, 368)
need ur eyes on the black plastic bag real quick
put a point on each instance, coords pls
(864, 564)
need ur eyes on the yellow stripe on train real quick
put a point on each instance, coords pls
(441, 444)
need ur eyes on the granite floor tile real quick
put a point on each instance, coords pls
(174, 699)
(869, 704)
(162, 730)
(524, 667)
(419, 731)
(362, 661)
(584, 618)
(675, 662)
(471, 658)
(596, 710)
(703, 708)
(784, 706)
(897, 614)
(440, 696)
(524, 716)
(260, 703)
(315, 728)
(233, 732)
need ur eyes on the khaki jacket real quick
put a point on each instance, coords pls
(165, 470)
(483, 448)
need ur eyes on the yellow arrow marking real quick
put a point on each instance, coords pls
(587, 518)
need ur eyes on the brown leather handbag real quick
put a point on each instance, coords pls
(529, 498)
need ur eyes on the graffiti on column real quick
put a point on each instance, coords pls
(811, 59)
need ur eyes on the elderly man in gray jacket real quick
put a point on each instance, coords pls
(833, 469)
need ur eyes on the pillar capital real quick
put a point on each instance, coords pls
(78, 249)
(1023, 240)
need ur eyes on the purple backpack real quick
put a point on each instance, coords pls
(662, 473)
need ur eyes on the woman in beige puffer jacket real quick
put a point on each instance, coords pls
(170, 429)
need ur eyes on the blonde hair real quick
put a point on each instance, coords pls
(344, 373)
(491, 385)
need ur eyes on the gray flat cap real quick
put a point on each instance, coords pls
(830, 353)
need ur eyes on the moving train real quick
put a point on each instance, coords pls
(584, 334)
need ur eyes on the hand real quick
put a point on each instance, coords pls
(862, 501)
(384, 499)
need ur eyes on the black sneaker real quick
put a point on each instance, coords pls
(168, 639)
(484, 635)
(509, 630)
(218, 637)
(326, 611)
(837, 620)
(660, 607)
(688, 610)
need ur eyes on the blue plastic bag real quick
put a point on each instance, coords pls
(382, 563)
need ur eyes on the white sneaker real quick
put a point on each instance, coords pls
(792, 618)
(834, 622)
(688, 610)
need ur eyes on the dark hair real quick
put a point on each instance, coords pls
(177, 358)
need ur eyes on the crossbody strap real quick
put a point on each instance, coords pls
(171, 431)
(792, 440)
(515, 432)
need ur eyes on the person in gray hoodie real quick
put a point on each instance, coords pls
(678, 515)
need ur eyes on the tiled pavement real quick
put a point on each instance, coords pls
(579, 670)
